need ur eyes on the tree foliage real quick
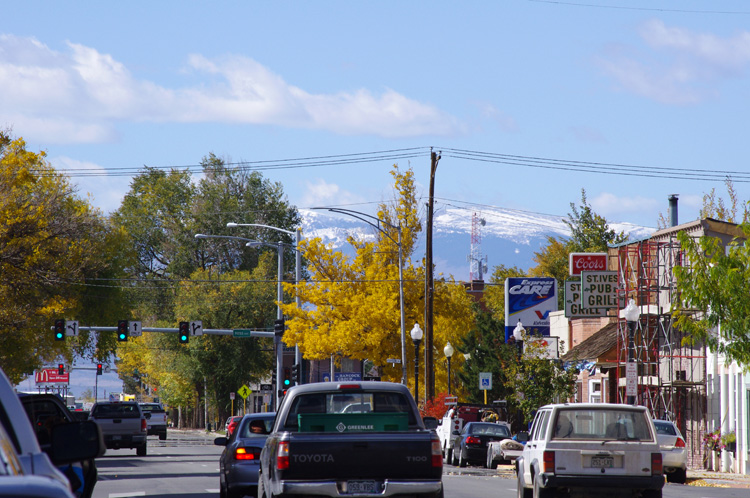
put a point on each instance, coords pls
(350, 305)
(712, 303)
(494, 293)
(53, 248)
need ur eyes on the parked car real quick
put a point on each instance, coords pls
(240, 461)
(470, 445)
(232, 424)
(156, 419)
(673, 451)
(46, 410)
(593, 449)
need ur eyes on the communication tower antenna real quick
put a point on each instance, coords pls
(477, 263)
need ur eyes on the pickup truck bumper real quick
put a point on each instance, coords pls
(334, 488)
(602, 482)
(124, 441)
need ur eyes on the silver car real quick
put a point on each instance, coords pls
(674, 454)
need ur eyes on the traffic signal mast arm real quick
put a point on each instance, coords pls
(253, 333)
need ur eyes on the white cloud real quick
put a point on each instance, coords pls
(615, 207)
(681, 65)
(80, 96)
(322, 193)
(104, 191)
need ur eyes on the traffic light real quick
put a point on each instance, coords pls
(295, 373)
(122, 330)
(184, 332)
(278, 328)
(60, 369)
(98, 369)
(287, 377)
(59, 330)
(273, 376)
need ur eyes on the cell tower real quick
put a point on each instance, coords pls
(477, 263)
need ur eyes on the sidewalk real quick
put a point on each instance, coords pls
(712, 479)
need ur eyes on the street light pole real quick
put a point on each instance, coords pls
(632, 314)
(361, 217)
(416, 337)
(448, 351)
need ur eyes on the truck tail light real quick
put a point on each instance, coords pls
(282, 456)
(680, 443)
(473, 440)
(657, 467)
(144, 426)
(247, 454)
(549, 461)
(437, 453)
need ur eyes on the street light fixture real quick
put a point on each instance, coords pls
(279, 295)
(448, 351)
(632, 315)
(518, 333)
(416, 336)
(362, 217)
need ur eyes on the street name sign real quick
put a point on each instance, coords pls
(242, 333)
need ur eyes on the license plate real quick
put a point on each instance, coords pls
(602, 462)
(359, 487)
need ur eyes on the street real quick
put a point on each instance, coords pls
(186, 465)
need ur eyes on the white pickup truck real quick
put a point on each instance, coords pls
(156, 419)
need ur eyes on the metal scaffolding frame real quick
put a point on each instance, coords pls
(671, 375)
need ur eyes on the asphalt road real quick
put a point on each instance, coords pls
(186, 465)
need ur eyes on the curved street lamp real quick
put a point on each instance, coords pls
(362, 217)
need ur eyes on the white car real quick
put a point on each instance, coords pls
(590, 448)
(673, 450)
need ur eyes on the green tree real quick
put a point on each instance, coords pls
(494, 293)
(712, 303)
(590, 232)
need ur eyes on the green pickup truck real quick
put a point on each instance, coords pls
(350, 439)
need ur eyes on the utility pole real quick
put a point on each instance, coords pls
(429, 376)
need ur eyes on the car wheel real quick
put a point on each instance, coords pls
(222, 491)
(454, 458)
(522, 492)
(461, 459)
(679, 476)
(261, 491)
(448, 456)
(540, 492)
(141, 450)
(491, 463)
(163, 436)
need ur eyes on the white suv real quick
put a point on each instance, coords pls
(591, 448)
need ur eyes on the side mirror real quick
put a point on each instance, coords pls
(221, 441)
(76, 441)
(522, 437)
(147, 415)
(456, 433)
(430, 422)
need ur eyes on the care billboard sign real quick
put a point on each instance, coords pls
(530, 301)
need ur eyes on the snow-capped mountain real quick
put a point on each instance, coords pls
(508, 237)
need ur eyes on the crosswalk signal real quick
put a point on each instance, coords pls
(184, 332)
(59, 330)
(98, 369)
(295, 373)
(287, 377)
(60, 369)
(122, 330)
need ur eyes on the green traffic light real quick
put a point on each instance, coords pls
(286, 382)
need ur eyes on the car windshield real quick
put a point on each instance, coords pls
(602, 424)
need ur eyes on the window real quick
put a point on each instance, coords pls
(595, 391)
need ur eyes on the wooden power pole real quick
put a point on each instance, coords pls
(429, 376)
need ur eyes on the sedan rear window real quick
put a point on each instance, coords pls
(116, 411)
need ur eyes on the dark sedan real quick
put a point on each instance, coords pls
(240, 460)
(470, 445)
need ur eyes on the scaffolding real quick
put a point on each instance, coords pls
(671, 374)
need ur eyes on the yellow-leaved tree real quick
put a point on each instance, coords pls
(350, 305)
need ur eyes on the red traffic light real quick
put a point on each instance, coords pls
(60, 369)
(98, 369)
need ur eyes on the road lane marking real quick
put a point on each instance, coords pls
(127, 495)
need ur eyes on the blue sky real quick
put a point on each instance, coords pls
(659, 88)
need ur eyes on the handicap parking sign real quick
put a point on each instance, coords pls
(485, 381)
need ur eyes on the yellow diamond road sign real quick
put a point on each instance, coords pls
(244, 391)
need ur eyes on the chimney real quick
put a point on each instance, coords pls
(673, 210)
